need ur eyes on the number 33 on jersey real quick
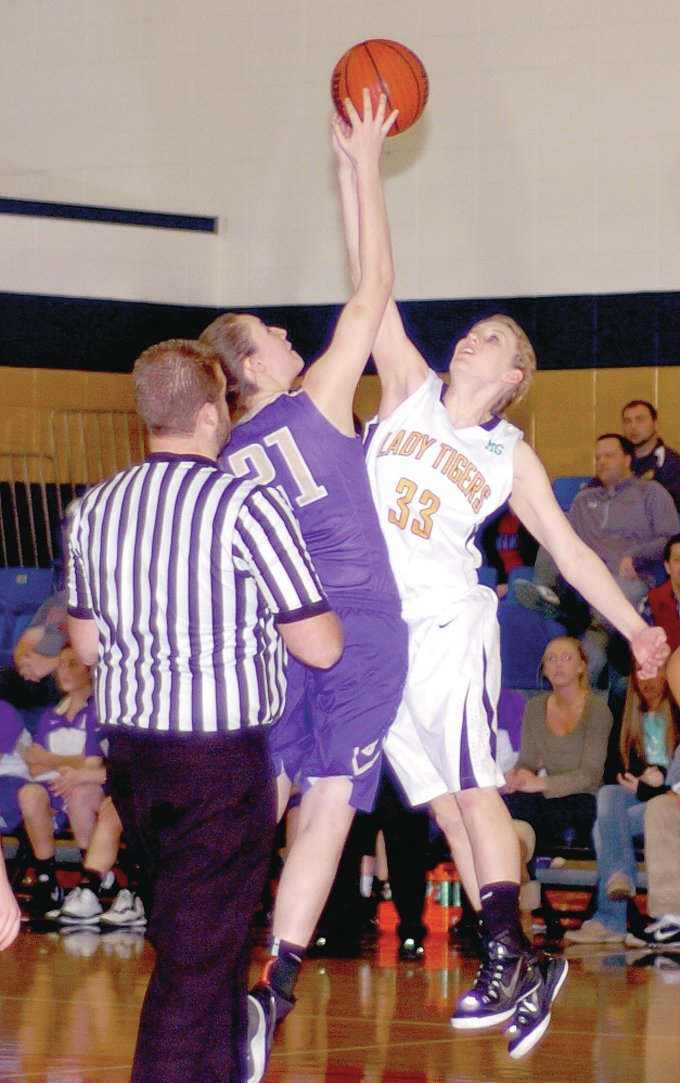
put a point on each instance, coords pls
(434, 486)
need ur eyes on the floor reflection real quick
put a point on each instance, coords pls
(70, 1003)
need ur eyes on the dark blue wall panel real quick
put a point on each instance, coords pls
(605, 331)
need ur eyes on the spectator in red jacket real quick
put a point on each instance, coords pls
(662, 604)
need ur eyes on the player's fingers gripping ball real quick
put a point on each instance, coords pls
(385, 67)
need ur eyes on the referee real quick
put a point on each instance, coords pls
(184, 584)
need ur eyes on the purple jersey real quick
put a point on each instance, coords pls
(79, 736)
(289, 443)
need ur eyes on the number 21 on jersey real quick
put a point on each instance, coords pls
(254, 461)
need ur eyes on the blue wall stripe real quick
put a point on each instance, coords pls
(569, 332)
(116, 215)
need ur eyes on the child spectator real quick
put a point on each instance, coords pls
(67, 736)
(82, 906)
(14, 772)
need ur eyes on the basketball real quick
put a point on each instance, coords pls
(385, 67)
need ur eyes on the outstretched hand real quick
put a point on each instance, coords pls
(650, 651)
(361, 138)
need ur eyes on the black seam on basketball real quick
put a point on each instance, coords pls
(383, 88)
(423, 81)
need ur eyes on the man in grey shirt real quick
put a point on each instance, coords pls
(626, 520)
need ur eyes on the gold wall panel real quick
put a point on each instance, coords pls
(561, 416)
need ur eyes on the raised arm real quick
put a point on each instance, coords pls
(331, 381)
(533, 501)
(400, 365)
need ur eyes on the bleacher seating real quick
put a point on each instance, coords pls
(487, 576)
(566, 487)
(565, 872)
(515, 574)
(524, 637)
(22, 592)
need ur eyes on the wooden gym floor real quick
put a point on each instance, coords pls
(70, 1001)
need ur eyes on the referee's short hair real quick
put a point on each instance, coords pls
(173, 380)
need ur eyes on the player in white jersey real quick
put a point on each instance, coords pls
(440, 460)
(432, 492)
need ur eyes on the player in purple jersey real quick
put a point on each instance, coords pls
(329, 741)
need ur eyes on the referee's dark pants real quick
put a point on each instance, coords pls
(200, 813)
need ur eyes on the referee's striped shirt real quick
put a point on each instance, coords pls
(185, 571)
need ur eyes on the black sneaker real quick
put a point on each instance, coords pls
(663, 933)
(532, 1016)
(501, 980)
(539, 598)
(411, 949)
(47, 900)
(265, 1011)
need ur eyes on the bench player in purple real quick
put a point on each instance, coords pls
(329, 740)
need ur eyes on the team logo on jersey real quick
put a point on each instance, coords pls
(364, 758)
(497, 449)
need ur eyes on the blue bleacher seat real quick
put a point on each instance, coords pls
(516, 573)
(487, 576)
(524, 637)
(566, 487)
(22, 592)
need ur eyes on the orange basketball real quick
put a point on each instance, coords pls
(385, 67)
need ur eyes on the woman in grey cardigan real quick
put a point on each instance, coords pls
(561, 760)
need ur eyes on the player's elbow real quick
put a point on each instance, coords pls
(317, 641)
(332, 643)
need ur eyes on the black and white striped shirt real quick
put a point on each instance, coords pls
(185, 571)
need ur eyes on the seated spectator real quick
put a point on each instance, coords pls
(662, 850)
(552, 785)
(651, 457)
(30, 681)
(662, 861)
(83, 906)
(14, 772)
(627, 522)
(662, 604)
(505, 544)
(67, 736)
(649, 737)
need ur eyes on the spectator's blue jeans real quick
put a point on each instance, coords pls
(620, 820)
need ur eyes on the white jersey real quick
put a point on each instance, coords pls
(433, 486)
